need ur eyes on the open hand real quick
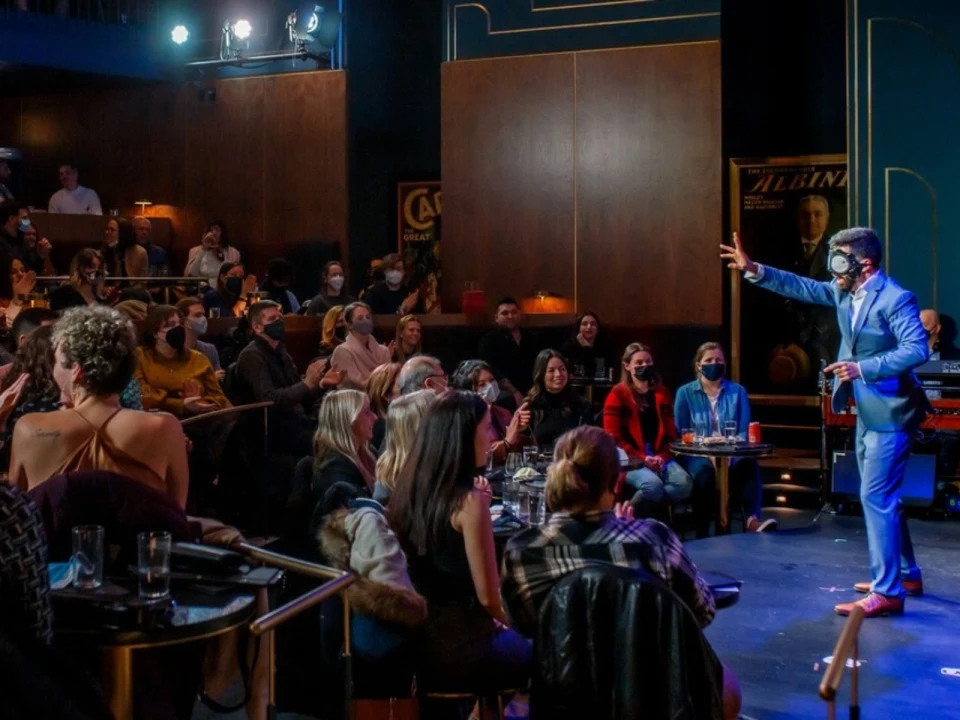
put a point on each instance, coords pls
(10, 397)
(191, 388)
(410, 302)
(198, 406)
(738, 258)
(315, 372)
(332, 378)
(623, 510)
(844, 371)
(249, 285)
(392, 347)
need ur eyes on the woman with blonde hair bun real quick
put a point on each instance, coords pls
(403, 420)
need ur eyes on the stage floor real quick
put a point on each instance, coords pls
(776, 637)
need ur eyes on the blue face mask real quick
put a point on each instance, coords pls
(24, 225)
(713, 371)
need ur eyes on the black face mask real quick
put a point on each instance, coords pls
(234, 285)
(176, 337)
(274, 330)
(713, 371)
(645, 373)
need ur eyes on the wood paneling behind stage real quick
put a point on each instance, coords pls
(507, 155)
(268, 156)
(593, 174)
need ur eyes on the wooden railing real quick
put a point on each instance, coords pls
(845, 649)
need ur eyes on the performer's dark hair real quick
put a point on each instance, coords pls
(863, 242)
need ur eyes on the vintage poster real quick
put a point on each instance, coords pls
(419, 206)
(785, 209)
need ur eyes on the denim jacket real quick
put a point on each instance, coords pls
(692, 407)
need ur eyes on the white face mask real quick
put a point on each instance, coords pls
(489, 392)
(197, 324)
(335, 281)
(394, 277)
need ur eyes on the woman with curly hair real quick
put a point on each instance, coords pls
(40, 393)
(94, 360)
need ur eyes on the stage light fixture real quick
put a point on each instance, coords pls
(242, 29)
(313, 23)
(235, 38)
(180, 34)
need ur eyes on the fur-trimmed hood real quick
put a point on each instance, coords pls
(361, 541)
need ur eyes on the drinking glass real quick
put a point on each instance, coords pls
(530, 457)
(523, 502)
(730, 430)
(511, 497)
(489, 461)
(699, 433)
(88, 556)
(513, 464)
(532, 506)
(153, 564)
(601, 369)
(687, 436)
(579, 371)
(214, 313)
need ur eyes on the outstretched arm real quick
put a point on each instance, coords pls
(779, 281)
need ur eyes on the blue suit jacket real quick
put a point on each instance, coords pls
(888, 341)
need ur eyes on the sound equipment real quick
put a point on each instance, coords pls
(919, 480)
(939, 368)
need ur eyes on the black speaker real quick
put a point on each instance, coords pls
(919, 480)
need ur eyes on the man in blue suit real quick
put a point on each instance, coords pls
(882, 341)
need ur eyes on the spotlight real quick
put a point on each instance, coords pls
(235, 38)
(242, 29)
(180, 35)
(312, 23)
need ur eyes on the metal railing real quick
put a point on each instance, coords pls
(107, 12)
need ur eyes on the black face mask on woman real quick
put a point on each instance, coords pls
(645, 373)
(176, 337)
(713, 371)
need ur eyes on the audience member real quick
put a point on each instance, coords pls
(334, 331)
(440, 512)
(374, 276)
(422, 372)
(22, 283)
(587, 349)
(233, 289)
(333, 290)
(510, 350)
(710, 402)
(34, 360)
(5, 173)
(586, 528)
(122, 255)
(403, 420)
(269, 374)
(158, 265)
(638, 415)
(276, 284)
(343, 466)
(29, 320)
(172, 377)
(86, 282)
(360, 354)
(73, 198)
(95, 356)
(507, 432)
(391, 296)
(205, 260)
(407, 343)
(35, 249)
(10, 244)
(382, 388)
(195, 323)
(554, 406)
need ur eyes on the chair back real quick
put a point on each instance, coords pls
(613, 642)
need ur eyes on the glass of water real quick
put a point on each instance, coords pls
(532, 506)
(88, 556)
(699, 432)
(511, 497)
(513, 464)
(730, 430)
(153, 564)
(530, 457)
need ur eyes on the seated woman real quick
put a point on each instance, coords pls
(507, 433)
(555, 407)
(230, 297)
(403, 421)
(334, 331)
(637, 413)
(23, 282)
(123, 256)
(587, 348)
(587, 528)
(206, 259)
(173, 378)
(709, 402)
(95, 356)
(37, 251)
(360, 354)
(333, 290)
(407, 342)
(382, 388)
(342, 467)
(440, 512)
(40, 394)
(86, 282)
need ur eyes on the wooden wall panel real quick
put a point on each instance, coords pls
(507, 154)
(649, 212)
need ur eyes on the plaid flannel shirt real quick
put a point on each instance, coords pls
(537, 558)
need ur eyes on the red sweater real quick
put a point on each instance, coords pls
(621, 418)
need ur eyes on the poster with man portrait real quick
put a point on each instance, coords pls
(785, 209)
(419, 209)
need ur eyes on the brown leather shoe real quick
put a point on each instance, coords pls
(874, 605)
(913, 588)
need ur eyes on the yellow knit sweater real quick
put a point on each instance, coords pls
(161, 380)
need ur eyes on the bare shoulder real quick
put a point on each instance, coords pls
(42, 426)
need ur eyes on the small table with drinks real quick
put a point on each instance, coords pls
(721, 449)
